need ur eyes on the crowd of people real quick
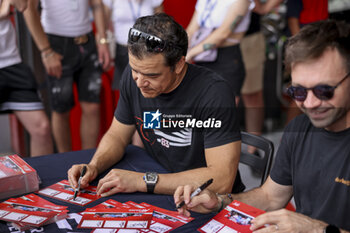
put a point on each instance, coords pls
(195, 77)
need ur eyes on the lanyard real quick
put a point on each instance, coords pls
(209, 7)
(137, 14)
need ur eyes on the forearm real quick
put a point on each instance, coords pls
(270, 196)
(4, 8)
(109, 151)
(99, 17)
(32, 19)
(293, 24)
(223, 181)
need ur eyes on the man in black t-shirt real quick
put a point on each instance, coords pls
(182, 112)
(313, 159)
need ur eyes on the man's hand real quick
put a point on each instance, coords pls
(121, 181)
(5, 6)
(205, 202)
(52, 62)
(286, 221)
(20, 5)
(103, 55)
(74, 174)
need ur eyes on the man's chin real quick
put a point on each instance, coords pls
(148, 95)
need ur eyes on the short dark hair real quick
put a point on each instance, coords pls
(166, 28)
(313, 39)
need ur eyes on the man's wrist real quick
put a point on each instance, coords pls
(47, 52)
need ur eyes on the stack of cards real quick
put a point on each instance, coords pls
(151, 218)
(234, 218)
(31, 211)
(16, 177)
(64, 192)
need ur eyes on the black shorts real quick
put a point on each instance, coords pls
(121, 60)
(80, 65)
(18, 89)
(230, 66)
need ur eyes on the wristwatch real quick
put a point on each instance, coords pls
(331, 229)
(150, 179)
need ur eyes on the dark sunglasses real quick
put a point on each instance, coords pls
(153, 43)
(322, 92)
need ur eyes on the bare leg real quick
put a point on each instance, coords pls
(254, 114)
(38, 126)
(90, 124)
(61, 131)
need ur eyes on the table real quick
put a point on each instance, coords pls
(53, 168)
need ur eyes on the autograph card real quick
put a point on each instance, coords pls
(164, 221)
(29, 215)
(30, 211)
(64, 192)
(234, 218)
(117, 218)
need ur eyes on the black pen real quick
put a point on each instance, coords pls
(196, 192)
(79, 181)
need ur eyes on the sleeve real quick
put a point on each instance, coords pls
(219, 110)
(281, 171)
(294, 8)
(156, 3)
(108, 3)
(124, 113)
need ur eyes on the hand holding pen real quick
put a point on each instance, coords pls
(83, 171)
(196, 192)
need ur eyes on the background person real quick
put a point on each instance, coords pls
(18, 88)
(228, 20)
(313, 157)
(160, 83)
(68, 50)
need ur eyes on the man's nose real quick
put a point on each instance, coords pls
(141, 81)
(311, 100)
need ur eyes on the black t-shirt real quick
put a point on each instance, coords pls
(317, 163)
(200, 113)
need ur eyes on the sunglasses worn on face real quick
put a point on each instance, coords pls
(153, 43)
(322, 92)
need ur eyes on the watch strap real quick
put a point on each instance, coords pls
(150, 187)
(331, 229)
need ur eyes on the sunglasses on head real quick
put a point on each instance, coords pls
(153, 43)
(322, 92)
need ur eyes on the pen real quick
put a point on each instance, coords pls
(196, 192)
(79, 181)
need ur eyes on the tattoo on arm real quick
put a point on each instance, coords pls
(235, 22)
(208, 46)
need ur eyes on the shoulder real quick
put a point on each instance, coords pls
(206, 78)
(210, 87)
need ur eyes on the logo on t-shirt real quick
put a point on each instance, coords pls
(151, 120)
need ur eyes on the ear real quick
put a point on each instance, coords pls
(180, 65)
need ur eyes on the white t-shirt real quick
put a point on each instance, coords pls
(68, 18)
(213, 13)
(125, 13)
(9, 54)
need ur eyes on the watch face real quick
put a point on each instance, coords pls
(151, 176)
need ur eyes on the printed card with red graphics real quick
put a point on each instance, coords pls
(35, 200)
(164, 221)
(118, 218)
(31, 211)
(235, 217)
(64, 192)
(16, 177)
